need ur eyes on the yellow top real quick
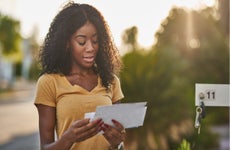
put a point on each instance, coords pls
(73, 101)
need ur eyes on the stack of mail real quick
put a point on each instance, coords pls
(130, 115)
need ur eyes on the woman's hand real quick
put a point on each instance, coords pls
(114, 135)
(83, 129)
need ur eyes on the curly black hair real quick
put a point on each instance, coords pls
(53, 55)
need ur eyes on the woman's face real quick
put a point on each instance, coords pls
(84, 46)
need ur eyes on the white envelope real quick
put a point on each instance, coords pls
(130, 115)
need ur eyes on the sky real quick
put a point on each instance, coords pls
(146, 15)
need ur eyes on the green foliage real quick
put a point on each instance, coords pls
(205, 140)
(35, 67)
(18, 69)
(34, 72)
(10, 38)
(185, 145)
(129, 37)
(165, 77)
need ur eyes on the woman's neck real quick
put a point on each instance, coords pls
(81, 72)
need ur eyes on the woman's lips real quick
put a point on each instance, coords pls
(89, 59)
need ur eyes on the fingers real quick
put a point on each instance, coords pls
(111, 135)
(91, 127)
(85, 124)
(115, 135)
(118, 125)
(81, 123)
(84, 129)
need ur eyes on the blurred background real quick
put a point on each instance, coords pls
(167, 47)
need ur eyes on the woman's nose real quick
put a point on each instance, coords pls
(89, 46)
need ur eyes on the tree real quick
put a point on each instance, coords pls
(35, 67)
(191, 48)
(223, 12)
(129, 38)
(10, 38)
(10, 47)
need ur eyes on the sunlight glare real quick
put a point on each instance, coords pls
(195, 4)
(194, 43)
(146, 15)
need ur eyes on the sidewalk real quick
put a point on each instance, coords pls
(26, 142)
(20, 89)
(19, 118)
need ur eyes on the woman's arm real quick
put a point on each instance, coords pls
(47, 122)
(78, 131)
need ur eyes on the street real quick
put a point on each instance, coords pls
(19, 120)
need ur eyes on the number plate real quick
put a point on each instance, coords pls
(212, 94)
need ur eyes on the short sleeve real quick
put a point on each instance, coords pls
(45, 91)
(117, 93)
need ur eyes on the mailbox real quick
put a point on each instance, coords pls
(212, 94)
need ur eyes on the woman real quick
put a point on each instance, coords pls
(79, 65)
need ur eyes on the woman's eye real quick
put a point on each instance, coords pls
(95, 41)
(81, 43)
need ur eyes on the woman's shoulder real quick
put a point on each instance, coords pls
(116, 79)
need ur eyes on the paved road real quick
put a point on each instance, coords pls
(18, 121)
